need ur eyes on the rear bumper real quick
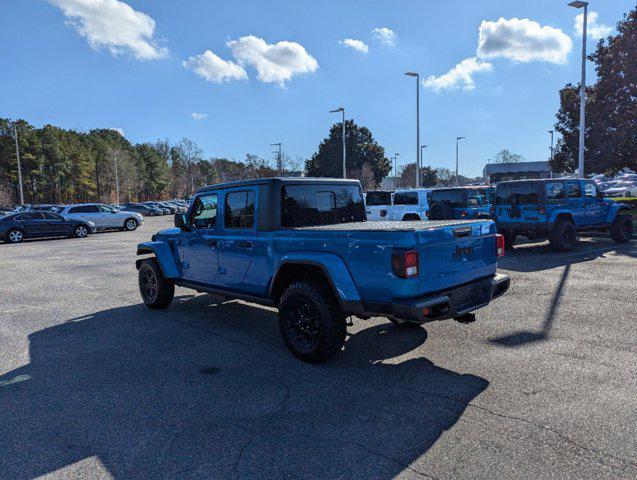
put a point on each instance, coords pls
(447, 304)
(525, 226)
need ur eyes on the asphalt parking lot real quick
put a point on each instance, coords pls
(95, 385)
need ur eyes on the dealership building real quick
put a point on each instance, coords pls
(498, 172)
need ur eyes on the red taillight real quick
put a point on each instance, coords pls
(541, 210)
(383, 213)
(405, 264)
(499, 245)
(463, 213)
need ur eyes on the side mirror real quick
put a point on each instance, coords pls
(600, 195)
(181, 221)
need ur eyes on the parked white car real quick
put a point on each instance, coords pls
(409, 204)
(377, 204)
(622, 189)
(103, 216)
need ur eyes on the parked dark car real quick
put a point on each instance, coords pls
(460, 203)
(145, 210)
(17, 226)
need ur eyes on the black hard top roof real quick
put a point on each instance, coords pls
(280, 181)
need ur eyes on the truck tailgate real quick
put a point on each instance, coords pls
(454, 253)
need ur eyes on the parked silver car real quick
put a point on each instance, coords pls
(103, 216)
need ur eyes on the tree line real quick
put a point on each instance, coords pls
(69, 166)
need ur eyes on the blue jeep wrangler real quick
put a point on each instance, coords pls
(557, 209)
(304, 246)
(459, 203)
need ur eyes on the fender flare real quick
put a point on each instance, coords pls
(557, 213)
(163, 254)
(336, 272)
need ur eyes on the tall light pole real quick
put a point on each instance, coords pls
(279, 162)
(17, 154)
(582, 88)
(457, 179)
(395, 169)
(551, 147)
(422, 148)
(341, 109)
(116, 176)
(417, 76)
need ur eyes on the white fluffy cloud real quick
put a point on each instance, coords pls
(385, 36)
(593, 29)
(274, 63)
(214, 69)
(198, 116)
(522, 40)
(460, 76)
(114, 25)
(357, 45)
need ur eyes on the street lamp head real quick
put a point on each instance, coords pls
(460, 138)
(578, 4)
(411, 74)
(275, 144)
(339, 109)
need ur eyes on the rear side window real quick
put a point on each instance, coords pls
(517, 194)
(554, 191)
(307, 205)
(75, 210)
(378, 198)
(453, 198)
(406, 198)
(477, 197)
(239, 209)
(590, 190)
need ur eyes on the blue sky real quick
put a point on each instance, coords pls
(140, 66)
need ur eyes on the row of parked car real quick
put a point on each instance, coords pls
(78, 220)
(623, 185)
(553, 209)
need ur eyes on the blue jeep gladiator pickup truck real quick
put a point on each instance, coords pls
(460, 202)
(557, 209)
(304, 246)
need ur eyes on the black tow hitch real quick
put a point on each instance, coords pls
(466, 318)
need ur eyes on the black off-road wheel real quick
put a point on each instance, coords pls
(14, 236)
(563, 237)
(510, 237)
(436, 212)
(311, 322)
(157, 291)
(621, 231)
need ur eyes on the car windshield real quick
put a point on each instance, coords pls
(520, 193)
(378, 198)
(478, 196)
(307, 205)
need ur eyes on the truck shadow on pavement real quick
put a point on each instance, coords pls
(533, 256)
(207, 389)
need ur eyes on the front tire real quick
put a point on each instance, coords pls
(621, 231)
(563, 237)
(80, 231)
(130, 224)
(311, 322)
(156, 291)
(15, 236)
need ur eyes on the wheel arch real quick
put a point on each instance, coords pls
(164, 255)
(329, 268)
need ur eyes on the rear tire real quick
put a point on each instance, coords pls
(156, 291)
(435, 212)
(311, 322)
(411, 217)
(563, 237)
(14, 236)
(621, 231)
(80, 231)
(510, 237)
(130, 224)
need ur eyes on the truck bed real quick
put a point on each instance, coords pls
(391, 226)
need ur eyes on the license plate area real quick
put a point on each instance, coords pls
(469, 295)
